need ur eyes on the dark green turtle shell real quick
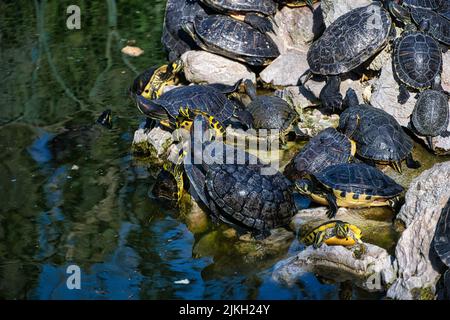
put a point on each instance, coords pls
(442, 235)
(378, 136)
(426, 4)
(265, 7)
(439, 26)
(430, 116)
(350, 41)
(359, 178)
(271, 113)
(328, 148)
(417, 59)
(232, 38)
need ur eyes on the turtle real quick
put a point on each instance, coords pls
(298, 3)
(207, 99)
(236, 190)
(327, 148)
(417, 56)
(441, 245)
(350, 185)
(379, 137)
(269, 112)
(233, 39)
(166, 186)
(345, 45)
(253, 12)
(424, 4)
(150, 84)
(430, 116)
(333, 233)
(174, 39)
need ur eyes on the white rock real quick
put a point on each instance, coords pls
(184, 281)
(154, 142)
(333, 9)
(205, 67)
(446, 71)
(285, 70)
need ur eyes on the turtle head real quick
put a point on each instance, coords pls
(401, 13)
(150, 108)
(424, 25)
(175, 67)
(349, 122)
(141, 81)
(304, 186)
(105, 119)
(341, 229)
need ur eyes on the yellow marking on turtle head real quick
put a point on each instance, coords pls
(353, 148)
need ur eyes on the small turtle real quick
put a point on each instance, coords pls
(233, 39)
(237, 194)
(253, 12)
(379, 137)
(430, 116)
(333, 233)
(441, 242)
(269, 112)
(345, 45)
(327, 148)
(417, 57)
(350, 185)
(151, 83)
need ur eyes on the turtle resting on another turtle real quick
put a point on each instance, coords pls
(328, 148)
(379, 137)
(350, 185)
(334, 233)
(151, 83)
(430, 116)
(233, 39)
(345, 45)
(441, 243)
(253, 12)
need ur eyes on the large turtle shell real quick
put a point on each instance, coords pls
(271, 113)
(431, 115)
(350, 40)
(442, 235)
(245, 196)
(233, 38)
(328, 148)
(198, 98)
(417, 59)
(426, 4)
(266, 7)
(378, 136)
(359, 178)
(439, 27)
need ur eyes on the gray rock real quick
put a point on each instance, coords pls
(285, 70)
(424, 201)
(205, 67)
(446, 71)
(153, 143)
(333, 9)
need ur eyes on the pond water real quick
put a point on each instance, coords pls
(89, 206)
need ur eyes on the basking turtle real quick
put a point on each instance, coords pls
(333, 233)
(328, 148)
(298, 3)
(175, 40)
(379, 137)
(206, 99)
(351, 185)
(345, 45)
(233, 39)
(269, 112)
(441, 243)
(151, 83)
(425, 4)
(238, 194)
(253, 12)
(430, 116)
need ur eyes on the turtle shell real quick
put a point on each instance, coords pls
(271, 113)
(197, 98)
(359, 178)
(431, 113)
(417, 59)
(442, 235)
(350, 40)
(328, 148)
(378, 136)
(426, 4)
(245, 196)
(265, 7)
(233, 38)
(439, 26)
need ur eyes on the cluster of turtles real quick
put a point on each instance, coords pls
(339, 166)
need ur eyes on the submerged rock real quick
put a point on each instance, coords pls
(204, 67)
(424, 202)
(333, 9)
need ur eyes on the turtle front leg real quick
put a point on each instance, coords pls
(403, 95)
(332, 203)
(262, 24)
(330, 94)
(411, 163)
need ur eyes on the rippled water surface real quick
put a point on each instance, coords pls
(85, 201)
